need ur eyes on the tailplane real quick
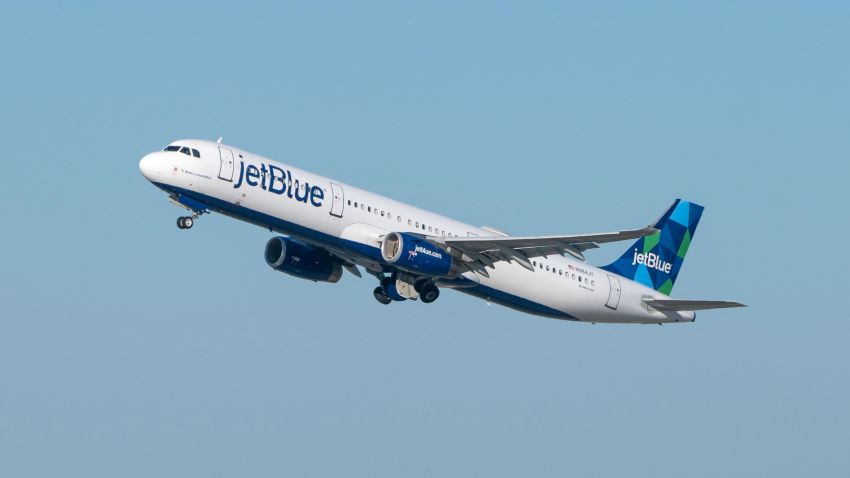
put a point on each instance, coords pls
(655, 261)
(670, 305)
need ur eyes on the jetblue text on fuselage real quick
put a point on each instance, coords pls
(275, 180)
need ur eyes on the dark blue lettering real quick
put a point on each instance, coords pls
(277, 175)
(289, 184)
(316, 196)
(251, 175)
(241, 173)
(298, 189)
(264, 173)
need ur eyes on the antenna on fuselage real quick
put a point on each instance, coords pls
(219, 139)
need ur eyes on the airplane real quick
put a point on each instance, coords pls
(327, 227)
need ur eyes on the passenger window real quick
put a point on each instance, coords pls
(430, 229)
(423, 227)
(382, 213)
(409, 222)
(399, 218)
(362, 207)
(196, 153)
(349, 202)
(560, 272)
(369, 208)
(547, 267)
(417, 225)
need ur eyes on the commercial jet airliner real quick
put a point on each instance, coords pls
(328, 227)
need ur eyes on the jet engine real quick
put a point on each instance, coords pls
(414, 254)
(302, 260)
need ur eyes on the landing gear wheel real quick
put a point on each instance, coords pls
(421, 285)
(381, 296)
(185, 222)
(429, 294)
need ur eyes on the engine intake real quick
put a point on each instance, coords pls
(414, 254)
(302, 260)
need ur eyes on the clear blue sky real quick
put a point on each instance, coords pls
(130, 348)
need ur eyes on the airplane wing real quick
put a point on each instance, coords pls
(674, 305)
(486, 251)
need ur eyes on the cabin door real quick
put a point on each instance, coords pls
(338, 200)
(226, 170)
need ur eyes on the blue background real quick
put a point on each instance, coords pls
(131, 348)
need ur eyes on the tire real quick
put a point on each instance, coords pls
(188, 222)
(429, 294)
(420, 285)
(180, 223)
(381, 296)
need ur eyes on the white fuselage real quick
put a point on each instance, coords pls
(351, 222)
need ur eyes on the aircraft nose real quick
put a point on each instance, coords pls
(150, 166)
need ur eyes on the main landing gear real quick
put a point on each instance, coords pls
(185, 222)
(429, 293)
(401, 287)
(381, 295)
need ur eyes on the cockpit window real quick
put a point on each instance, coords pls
(183, 149)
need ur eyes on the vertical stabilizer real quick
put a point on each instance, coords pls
(655, 261)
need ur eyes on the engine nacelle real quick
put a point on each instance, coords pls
(413, 254)
(302, 260)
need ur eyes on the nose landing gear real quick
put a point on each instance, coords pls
(196, 209)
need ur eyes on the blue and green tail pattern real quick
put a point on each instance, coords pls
(655, 261)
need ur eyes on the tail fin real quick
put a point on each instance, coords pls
(655, 261)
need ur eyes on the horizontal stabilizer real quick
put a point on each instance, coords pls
(672, 305)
